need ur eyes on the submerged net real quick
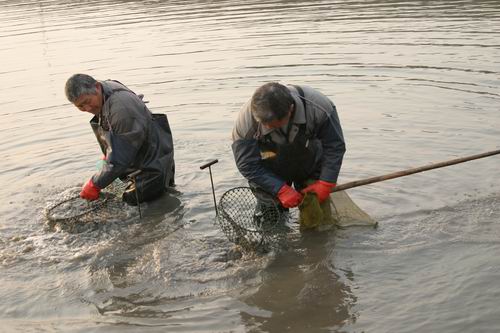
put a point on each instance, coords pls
(254, 224)
(260, 224)
(68, 210)
(337, 211)
(347, 213)
(315, 215)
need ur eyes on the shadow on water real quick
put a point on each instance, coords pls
(301, 291)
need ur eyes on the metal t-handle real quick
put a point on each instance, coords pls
(208, 165)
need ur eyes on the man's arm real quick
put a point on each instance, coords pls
(247, 153)
(332, 141)
(248, 160)
(127, 135)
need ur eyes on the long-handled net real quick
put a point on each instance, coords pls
(243, 220)
(256, 222)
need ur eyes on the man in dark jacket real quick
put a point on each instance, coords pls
(130, 136)
(285, 135)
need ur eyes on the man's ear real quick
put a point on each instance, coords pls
(98, 88)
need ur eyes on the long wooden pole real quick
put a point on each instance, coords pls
(412, 171)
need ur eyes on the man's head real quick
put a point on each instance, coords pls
(84, 92)
(272, 105)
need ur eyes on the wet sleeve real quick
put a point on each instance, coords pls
(247, 153)
(247, 156)
(127, 136)
(332, 141)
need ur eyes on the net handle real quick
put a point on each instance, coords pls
(413, 170)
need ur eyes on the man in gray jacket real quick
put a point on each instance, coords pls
(289, 135)
(130, 136)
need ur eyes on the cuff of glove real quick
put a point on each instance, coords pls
(90, 191)
(91, 184)
(284, 188)
(327, 184)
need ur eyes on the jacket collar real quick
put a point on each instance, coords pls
(106, 90)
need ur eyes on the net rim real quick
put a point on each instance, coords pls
(97, 204)
(224, 219)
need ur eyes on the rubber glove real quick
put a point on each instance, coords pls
(289, 197)
(321, 188)
(90, 191)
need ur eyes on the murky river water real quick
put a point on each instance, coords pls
(415, 82)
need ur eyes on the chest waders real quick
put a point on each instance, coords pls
(147, 185)
(292, 161)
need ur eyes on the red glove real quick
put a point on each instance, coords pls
(321, 188)
(289, 197)
(90, 191)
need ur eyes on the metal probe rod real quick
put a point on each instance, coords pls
(207, 165)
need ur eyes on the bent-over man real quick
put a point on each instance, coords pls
(289, 135)
(130, 136)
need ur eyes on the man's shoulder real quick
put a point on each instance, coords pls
(123, 106)
(245, 123)
(110, 86)
(315, 94)
(117, 94)
(117, 90)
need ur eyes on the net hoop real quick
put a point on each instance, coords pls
(92, 207)
(251, 222)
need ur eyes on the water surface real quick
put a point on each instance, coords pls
(415, 82)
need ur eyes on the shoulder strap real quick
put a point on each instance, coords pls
(303, 127)
(301, 95)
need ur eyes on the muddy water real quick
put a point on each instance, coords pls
(414, 83)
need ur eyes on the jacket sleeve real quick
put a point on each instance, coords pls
(332, 141)
(247, 153)
(247, 156)
(127, 135)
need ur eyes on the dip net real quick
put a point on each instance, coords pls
(337, 211)
(254, 223)
(68, 210)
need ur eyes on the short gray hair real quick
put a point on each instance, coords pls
(271, 102)
(78, 85)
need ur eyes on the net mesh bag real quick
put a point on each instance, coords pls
(254, 224)
(347, 213)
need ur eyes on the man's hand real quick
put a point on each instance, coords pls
(289, 197)
(90, 191)
(321, 188)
